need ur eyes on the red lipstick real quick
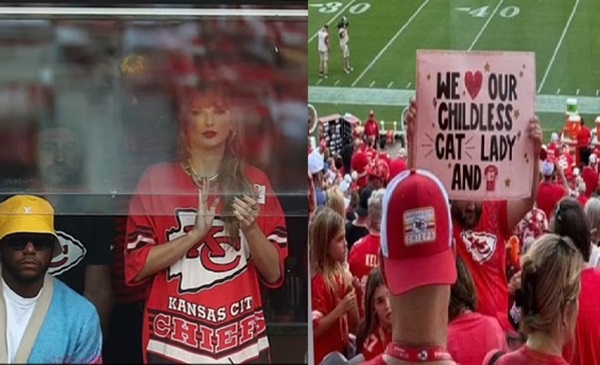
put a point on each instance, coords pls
(209, 134)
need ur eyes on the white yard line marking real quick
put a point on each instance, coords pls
(597, 92)
(577, 92)
(332, 19)
(557, 48)
(319, 82)
(336, 83)
(373, 83)
(557, 91)
(408, 85)
(390, 42)
(395, 98)
(485, 25)
(392, 83)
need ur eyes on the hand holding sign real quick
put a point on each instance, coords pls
(476, 128)
(534, 131)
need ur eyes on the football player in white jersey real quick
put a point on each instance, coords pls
(344, 43)
(324, 51)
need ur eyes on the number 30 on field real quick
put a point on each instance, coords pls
(334, 7)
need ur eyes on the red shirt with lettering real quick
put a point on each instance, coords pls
(376, 343)
(549, 194)
(206, 307)
(363, 257)
(565, 160)
(590, 177)
(472, 335)
(483, 249)
(324, 301)
(526, 356)
(586, 349)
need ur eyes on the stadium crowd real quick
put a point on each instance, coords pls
(500, 283)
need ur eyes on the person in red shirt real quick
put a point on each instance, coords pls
(359, 164)
(471, 335)
(375, 331)
(550, 193)
(584, 138)
(565, 161)
(553, 147)
(570, 221)
(418, 266)
(481, 230)
(204, 250)
(363, 257)
(549, 300)
(589, 174)
(372, 129)
(334, 305)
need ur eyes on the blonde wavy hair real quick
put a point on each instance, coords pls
(550, 279)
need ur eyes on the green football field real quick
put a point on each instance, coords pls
(385, 35)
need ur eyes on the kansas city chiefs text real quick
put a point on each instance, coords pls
(215, 315)
(185, 333)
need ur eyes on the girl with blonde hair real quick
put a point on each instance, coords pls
(334, 306)
(549, 297)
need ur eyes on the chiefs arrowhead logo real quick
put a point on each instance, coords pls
(73, 252)
(214, 260)
(480, 245)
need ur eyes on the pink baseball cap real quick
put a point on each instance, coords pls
(416, 233)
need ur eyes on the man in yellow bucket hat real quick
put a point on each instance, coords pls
(42, 320)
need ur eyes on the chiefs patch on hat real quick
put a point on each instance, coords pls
(419, 226)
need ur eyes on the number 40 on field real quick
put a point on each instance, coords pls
(483, 12)
(334, 7)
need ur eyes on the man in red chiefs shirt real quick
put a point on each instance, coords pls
(549, 192)
(584, 137)
(482, 228)
(363, 255)
(418, 266)
(372, 128)
(589, 174)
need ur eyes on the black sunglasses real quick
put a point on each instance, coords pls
(40, 243)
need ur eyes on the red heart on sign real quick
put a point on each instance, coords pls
(473, 83)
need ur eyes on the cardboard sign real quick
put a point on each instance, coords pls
(471, 132)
